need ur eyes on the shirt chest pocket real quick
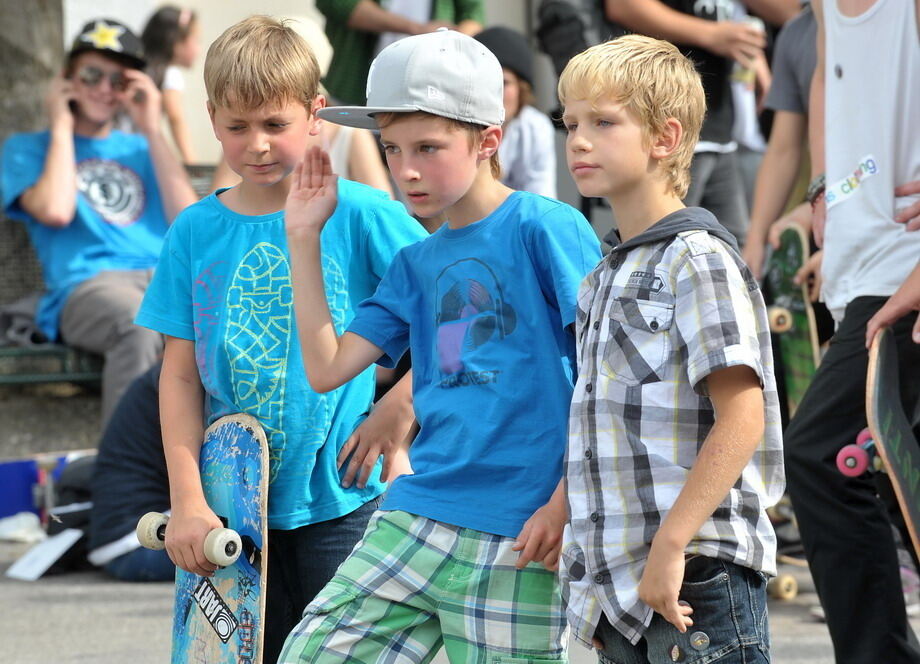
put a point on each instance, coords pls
(638, 340)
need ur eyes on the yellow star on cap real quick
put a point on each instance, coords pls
(105, 36)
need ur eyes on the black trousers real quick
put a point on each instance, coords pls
(300, 564)
(845, 526)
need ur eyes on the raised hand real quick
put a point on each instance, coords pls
(313, 195)
(142, 100)
(57, 102)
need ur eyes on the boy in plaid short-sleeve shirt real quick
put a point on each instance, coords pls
(674, 431)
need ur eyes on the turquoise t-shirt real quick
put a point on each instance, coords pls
(487, 312)
(119, 222)
(224, 281)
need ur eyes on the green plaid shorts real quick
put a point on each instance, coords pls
(414, 584)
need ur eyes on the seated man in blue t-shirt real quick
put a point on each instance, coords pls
(96, 202)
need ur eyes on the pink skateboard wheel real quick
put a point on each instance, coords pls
(852, 460)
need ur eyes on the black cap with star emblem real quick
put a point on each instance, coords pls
(112, 38)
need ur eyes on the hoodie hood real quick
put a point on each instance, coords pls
(687, 219)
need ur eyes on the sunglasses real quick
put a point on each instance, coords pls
(91, 76)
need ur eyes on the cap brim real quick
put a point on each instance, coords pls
(359, 116)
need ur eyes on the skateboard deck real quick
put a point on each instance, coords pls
(792, 318)
(220, 619)
(891, 431)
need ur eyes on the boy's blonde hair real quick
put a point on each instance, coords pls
(473, 131)
(654, 81)
(260, 61)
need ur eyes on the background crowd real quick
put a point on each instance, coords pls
(775, 140)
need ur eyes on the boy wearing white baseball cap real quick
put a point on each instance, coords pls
(463, 551)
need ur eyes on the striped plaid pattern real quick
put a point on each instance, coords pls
(652, 323)
(413, 584)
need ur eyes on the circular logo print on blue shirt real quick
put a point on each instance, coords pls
(114, 191)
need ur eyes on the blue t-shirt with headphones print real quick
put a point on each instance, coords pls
(486, 311)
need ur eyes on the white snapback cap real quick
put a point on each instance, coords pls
(443, 72)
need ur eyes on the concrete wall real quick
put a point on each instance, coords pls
(30, 52)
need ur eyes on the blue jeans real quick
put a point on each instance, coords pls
(729, 621)
(300, 563)
(142, 565)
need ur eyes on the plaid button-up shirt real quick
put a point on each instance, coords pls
(653, 322)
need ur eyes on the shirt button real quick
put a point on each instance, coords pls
(588, 454)
(598, 578)
(588, 388)
(597, 325)
(653, 325)
(594, 517)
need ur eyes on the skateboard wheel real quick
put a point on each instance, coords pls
(783, 586)
(780, 319)
(863, 436)
(223, 546)
(852, 460)
(151, 531)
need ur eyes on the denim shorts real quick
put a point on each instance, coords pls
(729, 621)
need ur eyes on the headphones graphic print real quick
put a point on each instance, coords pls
(471, 310)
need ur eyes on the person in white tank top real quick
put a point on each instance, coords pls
(865, 92)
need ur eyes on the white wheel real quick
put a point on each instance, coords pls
(783, 586)
(151, 531)
(223, 546)
(780, 319)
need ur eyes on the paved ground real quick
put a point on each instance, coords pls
(47, 418)
(84, 617)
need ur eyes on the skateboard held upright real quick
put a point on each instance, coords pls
(791, 315)
(220, 619)
(891, 431)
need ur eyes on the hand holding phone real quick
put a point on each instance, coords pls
(142, 100)
(59, 101)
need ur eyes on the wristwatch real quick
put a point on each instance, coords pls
(815, 189)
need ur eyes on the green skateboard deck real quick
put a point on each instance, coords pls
(792, 317)
(891, 431)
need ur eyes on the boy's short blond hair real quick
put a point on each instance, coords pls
(654, 81)
(260, 61)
